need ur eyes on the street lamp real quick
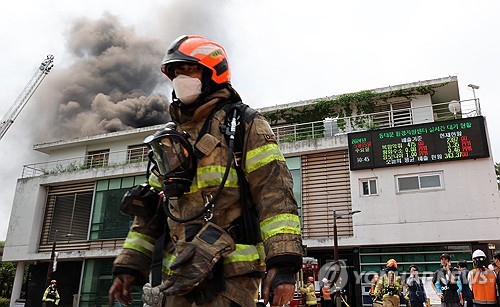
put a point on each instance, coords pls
(335, 234)
(474, 88)
(337, 298)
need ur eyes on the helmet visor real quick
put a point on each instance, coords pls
(170, 154)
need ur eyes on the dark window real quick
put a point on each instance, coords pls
(137, 153)
(97, 158)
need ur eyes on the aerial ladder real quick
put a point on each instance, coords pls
(26, 94)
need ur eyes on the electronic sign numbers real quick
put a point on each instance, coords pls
(416, 144)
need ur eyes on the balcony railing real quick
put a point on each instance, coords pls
(287, 133)
(98, 160)
(400, 117)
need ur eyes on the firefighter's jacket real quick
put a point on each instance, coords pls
(389, 284)
(51, 295)
(310, 293)
(270, 187)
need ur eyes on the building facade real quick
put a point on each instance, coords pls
(413, 159)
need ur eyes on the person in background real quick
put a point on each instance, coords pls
(446, 283)
(482, 281)
(466, 294)
(326, 298)
(496, 260)
(417, 297)
(389, 285)
(51, 295)
(309, 291)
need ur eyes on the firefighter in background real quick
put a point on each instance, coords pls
(389, 286)
(377, 301)
(51, 296)
(482, 281)
(227, 206)
(309, 291)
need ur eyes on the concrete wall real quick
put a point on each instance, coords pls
(423, 109)
(467, 209)
(26, 217)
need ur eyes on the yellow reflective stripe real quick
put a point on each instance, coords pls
(154, 182)
(211, 176)
(246, 253)
(139, 242)
(168, 259)
(285, 223)
(263, 155)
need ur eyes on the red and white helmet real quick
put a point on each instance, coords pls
(198, 50)
(53, 281)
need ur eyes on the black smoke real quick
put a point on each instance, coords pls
(111, 85)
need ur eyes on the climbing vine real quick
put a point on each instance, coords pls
(344, 105)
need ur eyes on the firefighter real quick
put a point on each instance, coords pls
(309, 291)
(389, 286)
(482, 281)
(51, 296)
(225, 192)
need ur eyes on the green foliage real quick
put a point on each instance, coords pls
(4, 302)
(344, 105)
(7, 274)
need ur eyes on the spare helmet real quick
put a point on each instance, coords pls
(198, 50)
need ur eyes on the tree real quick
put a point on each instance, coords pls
(7, 274)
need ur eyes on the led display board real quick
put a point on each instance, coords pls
(417, 144)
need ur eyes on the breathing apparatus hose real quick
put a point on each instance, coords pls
(211, 202)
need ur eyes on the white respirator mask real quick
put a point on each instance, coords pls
(187, 89)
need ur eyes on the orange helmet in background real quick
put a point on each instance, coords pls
(198, 50)
(392, 263)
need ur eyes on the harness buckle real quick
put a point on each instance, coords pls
(209, 214)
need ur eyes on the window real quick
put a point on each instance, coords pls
(67, 211)
(97, 158)
(107, 221)
(293, 164)
(369, 187)
(419, 182)
(137, 153)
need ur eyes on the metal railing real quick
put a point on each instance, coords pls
(287, 133)
(387, 119)
(99, 160)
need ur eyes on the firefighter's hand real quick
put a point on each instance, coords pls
(282, 293)
(120, 290)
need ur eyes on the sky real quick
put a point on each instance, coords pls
(107, 56)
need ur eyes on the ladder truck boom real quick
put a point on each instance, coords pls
(26, 94)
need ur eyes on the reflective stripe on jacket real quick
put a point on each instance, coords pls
(389, 284)
(271, 189)
(310, 294)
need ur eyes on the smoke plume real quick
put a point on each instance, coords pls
(113, 81)
(112, 84)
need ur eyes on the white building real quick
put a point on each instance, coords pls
(422, 177)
